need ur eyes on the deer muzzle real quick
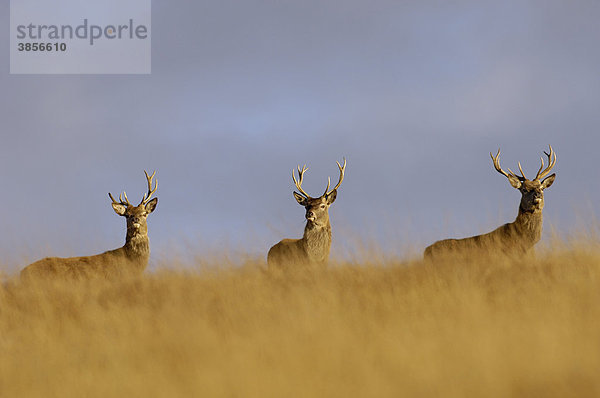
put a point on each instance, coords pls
(136, 223)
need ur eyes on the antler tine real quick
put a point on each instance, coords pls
(328, 184)
(151, 191)
(496, 160)
(497, 163)
(541, 167)
(120, 201)
(298, 182)
(551, 162)
(342, 169)
(521, 170)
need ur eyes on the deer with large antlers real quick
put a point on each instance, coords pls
(313, 248)
(130, 259)
(515, 238)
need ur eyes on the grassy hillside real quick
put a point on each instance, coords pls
(391, 329)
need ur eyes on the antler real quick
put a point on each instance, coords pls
(327, 191)
(551, 162)
(146, 197)
(342, 168)
(496, 161)
(298, 182)
(124, 203)
(151, 191)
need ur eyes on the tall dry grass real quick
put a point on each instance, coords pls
(522, 329)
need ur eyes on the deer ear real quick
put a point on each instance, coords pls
(119, 208)
(300, 199)
(514, 181)
(548, 181)
(331, 197)
(150, 206)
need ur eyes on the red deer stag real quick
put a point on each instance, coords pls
(131, 259)
(313, 248)
(515, 238)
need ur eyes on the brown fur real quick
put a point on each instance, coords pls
(131, 259)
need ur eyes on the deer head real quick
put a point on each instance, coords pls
(532, 191)
(136, 215)
(317, 209)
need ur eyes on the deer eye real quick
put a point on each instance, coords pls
(322, 206)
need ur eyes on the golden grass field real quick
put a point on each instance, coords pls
(381, 329)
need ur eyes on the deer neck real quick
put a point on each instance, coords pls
(137, 245)
(317, 241)
(529, 224)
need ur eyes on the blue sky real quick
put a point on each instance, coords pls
(414, 94)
